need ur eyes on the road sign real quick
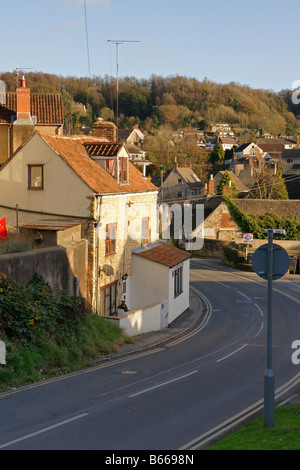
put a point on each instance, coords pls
(281, 261)
(248, 237)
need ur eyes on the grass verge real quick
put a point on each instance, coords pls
(46, 356)
(285, 435)
(47, 333)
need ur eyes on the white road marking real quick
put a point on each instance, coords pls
(233, 352)
(41, 431)
(224, 285)
(162, 384)
(241, 293)
(260, 310)
(261, 328)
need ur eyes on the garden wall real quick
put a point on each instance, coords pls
(58, 265)
(141, 321)
(211, 247)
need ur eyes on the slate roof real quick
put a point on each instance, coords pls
(292, 183)
(123, 134)
(190, 178)
(280, 207)
(241, 187)
(243, 147)
(48, 109)
(276, 141)
(291, 153)
(164, 254)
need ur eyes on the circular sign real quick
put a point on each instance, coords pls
(248, 237)
(281, 261)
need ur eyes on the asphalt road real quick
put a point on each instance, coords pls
(175, 396)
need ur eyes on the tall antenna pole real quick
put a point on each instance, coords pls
(18, 70)
(117, 42)
(87, 39)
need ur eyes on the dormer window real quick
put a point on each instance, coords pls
(111, 156)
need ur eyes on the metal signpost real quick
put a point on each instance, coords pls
(248, 238)
(270, 262)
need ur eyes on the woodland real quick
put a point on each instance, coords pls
(176, 100)
(161, 105)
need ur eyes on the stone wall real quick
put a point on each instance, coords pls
(127, 213)
(282, 208)
(58, 265)
(213, 248)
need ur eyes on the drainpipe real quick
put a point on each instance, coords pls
(97, 252)
(9, 141)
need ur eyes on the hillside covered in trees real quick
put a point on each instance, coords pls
(177, 101)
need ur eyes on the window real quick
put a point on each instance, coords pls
(110, 239)
(108, 300)
(145, 230)
(123, 170)
(110, 167)
(178, 281)
(35, 177)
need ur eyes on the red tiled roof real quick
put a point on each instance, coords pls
(164, 254)
(48, 109)
(72, 150)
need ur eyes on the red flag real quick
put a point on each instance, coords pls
(3, 229)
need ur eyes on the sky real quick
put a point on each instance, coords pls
(251, 43)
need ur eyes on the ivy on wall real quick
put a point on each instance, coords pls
(256, 224)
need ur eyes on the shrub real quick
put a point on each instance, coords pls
(16, 243)
(25, 311)
(233, 256)
(256, 224)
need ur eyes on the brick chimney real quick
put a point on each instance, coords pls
(105, 129)
(227, 190)
(23, 102)
(211, 186)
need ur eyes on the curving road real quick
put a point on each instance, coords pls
(176, 397)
